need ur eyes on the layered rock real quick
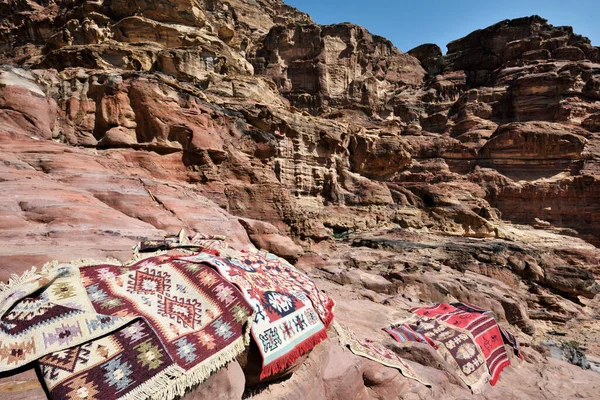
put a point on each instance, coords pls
(122, 120)
(532, 146)
(320, 68)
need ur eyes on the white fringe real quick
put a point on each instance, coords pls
(158, 384)
(16, 280)
(175, 381)
(347, 339)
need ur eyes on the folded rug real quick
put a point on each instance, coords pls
(373, 351)
(45, 312)
(404, 333)
(291, 315)
(456, 345)
(482, 326)
(150, 329)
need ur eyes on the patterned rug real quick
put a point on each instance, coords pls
(482, 326)
(291, 314)
(45, 312)
(456, 346)
(376, 352)
(404, 333)
(131, 363)
(508, 338)
(151, 329)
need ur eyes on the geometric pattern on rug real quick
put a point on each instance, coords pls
(370, 349)
(455, 345)
(508, 338)
(290, 313)
(483, 327)
(111, 367)
(147, 330)
(195, 312)
(46, 312)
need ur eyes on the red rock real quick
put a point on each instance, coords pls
(225, 384)
(24, 106)
(214, 116)
(430, 56)
(265, 236)
(534, 141)
(314, 65)
(308, 261)
(541, 54)
(592, 123)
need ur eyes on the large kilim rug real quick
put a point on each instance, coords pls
(481, 325)
(456, 346)
(291, 314)
(150, 329)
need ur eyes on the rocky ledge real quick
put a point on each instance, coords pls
(394, 179)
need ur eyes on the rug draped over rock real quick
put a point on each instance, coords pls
(484, 329)
(465, 336)
(150, 329)
(373, 351)
(508, 338)
(291, 315)
(41, 313)
(456, 346)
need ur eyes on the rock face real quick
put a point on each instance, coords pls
(430, 57)
(128, 119)
(320, 68)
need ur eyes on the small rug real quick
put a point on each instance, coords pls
(291, 315)
(482, 326)
(508, 338)
(373, 351)
(456, 346)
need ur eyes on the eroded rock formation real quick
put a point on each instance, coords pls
(126, 119)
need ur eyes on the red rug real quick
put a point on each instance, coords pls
(455, 345)
(484, 329)
(192, 318)
(508, 338)
(291, 315)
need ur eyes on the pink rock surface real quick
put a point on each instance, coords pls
(394, 179)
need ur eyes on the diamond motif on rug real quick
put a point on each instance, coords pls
(150, 284)
(180, 311)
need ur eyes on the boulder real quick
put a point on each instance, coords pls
(430, 56)
(266, 236)
(24, 106)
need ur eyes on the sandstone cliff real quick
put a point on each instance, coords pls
(393, 178)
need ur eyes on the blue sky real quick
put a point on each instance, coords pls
(411, 23)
